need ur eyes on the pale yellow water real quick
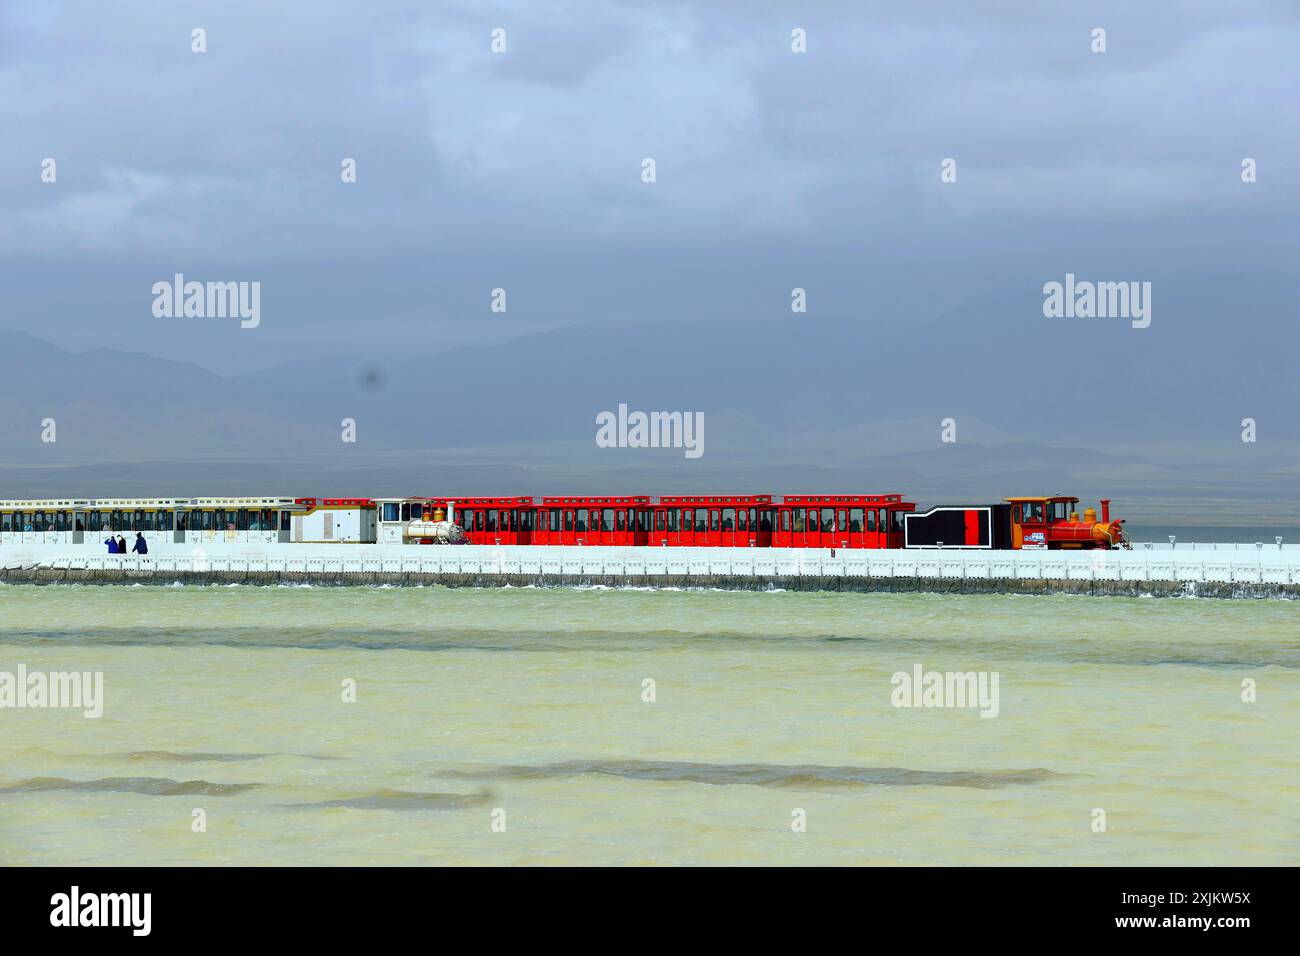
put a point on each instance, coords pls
(529, 701)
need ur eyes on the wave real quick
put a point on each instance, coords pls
(153, 786)
(402, 800)
(794, 776)
(201, 757)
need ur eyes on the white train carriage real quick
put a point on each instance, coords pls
(186, 521)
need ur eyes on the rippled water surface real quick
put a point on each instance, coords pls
(527, 707)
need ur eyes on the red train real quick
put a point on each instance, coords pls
(759, 521)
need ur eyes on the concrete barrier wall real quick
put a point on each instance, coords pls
(1238, 572)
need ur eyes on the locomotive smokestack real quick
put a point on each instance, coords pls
(1105, 510)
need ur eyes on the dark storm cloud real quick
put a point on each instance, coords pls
(521, 170)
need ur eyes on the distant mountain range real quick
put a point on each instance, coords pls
(819, 403)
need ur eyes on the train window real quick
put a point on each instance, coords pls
(742, 522)
(621, 520)
(897, 526)
(765, 519)
(93, 519)
(728, 519)
(828, 520)
(671, 518)
(855, 519)
(701, 519)
(1032, 510)
(491, 521)
(6, 522)
(797, 514)
(812, 519)
(713, 520)
(1060, 511)
(392, 511)
(606, 519)
(843, 524)
(555, 519)
(580, 520)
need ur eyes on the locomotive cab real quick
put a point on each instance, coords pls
(1053, 522)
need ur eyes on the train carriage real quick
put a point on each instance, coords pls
(840, 521)
(495, 520)
(711, 521)
(589, 520)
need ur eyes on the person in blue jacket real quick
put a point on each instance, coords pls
(112, 544)
(141, 546)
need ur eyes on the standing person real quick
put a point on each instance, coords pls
(141, 546)
(112, 544)
(121, 545)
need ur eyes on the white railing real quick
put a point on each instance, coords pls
(1242, 563)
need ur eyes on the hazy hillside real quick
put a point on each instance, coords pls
(800, 403)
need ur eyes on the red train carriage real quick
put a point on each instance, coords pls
(840, 521)
(496, 520)
(731, 521)
(587, 520)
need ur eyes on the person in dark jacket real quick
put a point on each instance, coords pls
(141, 546)
(112, 544)
(121, 545)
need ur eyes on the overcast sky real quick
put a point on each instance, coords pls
(522, 169)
